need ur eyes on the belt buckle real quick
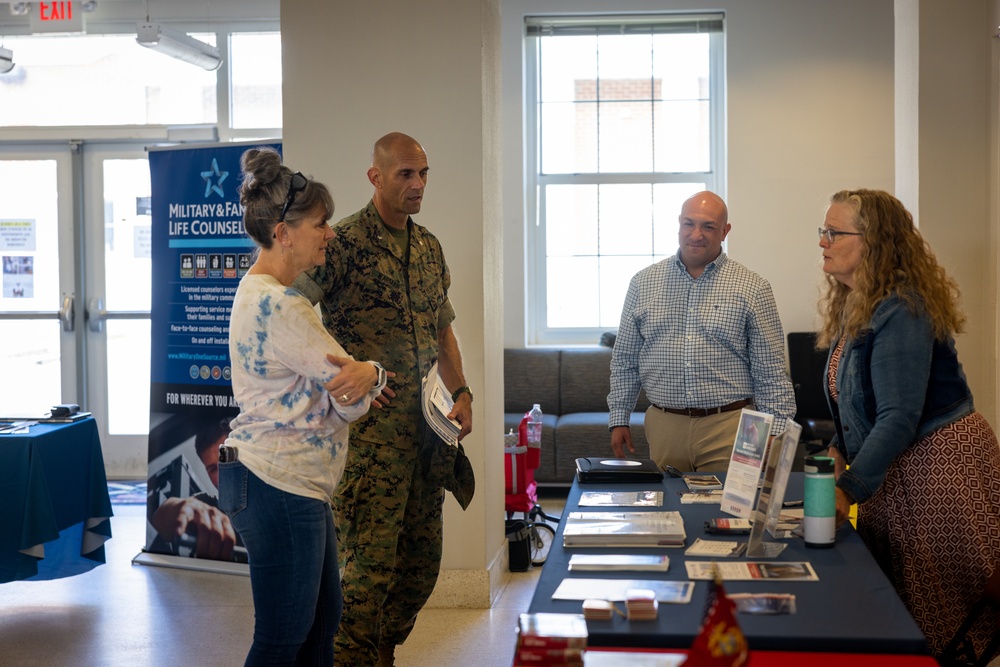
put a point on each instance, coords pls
(228, 454)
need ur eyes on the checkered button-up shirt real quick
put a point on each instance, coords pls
(700, 343)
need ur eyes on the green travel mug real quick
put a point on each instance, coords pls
(820, 503)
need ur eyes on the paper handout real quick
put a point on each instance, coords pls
(436, 403)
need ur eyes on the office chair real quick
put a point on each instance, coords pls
(961, 650)
(807, 367)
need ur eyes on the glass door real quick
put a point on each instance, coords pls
(118, 278)
(39, 310)
(76, 276)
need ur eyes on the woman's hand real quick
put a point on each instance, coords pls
(353, 382)
(843, 506)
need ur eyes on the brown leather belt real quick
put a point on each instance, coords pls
(704, 412)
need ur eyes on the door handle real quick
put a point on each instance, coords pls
(67, 312)
(96, 314)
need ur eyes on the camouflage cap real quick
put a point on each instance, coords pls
(448, 466)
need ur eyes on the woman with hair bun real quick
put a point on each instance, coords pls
(297, 390)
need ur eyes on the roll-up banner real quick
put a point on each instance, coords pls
(199, 253)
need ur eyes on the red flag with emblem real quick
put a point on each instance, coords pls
(719, 642)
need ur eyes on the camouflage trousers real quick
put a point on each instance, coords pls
(389, 531)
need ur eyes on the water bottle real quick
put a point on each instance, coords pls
(534, 436)
(820, 503)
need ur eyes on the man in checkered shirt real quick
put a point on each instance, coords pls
(700, 334)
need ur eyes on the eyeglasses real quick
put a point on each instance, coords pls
(831, 235)
(297, 185)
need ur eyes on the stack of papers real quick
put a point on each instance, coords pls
(621, 499)
(437, 405)
(640, 604)
(598, 610)
(611, 562)
(624, 529)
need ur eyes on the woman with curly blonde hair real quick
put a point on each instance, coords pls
(924, 465)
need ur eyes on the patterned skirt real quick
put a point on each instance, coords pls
(934, 527)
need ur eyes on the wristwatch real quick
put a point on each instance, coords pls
(459, 392)
(380, 380)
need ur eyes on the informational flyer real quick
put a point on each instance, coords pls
(750, 570)
(746, 463)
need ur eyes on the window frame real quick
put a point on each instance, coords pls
(219, 131)
(535, 183)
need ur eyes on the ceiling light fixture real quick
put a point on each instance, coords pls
(6, 60)
(179, 45)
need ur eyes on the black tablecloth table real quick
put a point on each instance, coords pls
(852, 608)
(54, 501)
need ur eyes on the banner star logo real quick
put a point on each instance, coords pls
(220, 177)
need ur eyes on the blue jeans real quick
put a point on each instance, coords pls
(292, 548)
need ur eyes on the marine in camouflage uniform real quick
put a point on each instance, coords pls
(384, 292)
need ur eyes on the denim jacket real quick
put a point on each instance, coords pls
(896, 384)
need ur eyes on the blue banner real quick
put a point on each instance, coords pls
(200, 251)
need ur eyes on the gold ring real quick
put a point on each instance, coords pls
(345, 398)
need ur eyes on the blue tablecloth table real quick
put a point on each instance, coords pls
(54, 501)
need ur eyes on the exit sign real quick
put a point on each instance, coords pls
(61, 17)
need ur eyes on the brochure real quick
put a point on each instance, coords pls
(715, 548)
(746, 462)
(697, 483)
(616, 590)
(621, 499)
(701, 498)
(751, 570)
(437, 405)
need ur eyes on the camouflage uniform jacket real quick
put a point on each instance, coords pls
(382, 308)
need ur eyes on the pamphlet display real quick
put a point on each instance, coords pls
(772, 493)
(746, 463)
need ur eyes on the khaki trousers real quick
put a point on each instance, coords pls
(691, 444)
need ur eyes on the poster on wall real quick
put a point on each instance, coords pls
(199, 253)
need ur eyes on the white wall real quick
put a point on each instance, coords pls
(355, 71)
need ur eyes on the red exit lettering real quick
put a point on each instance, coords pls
(55, 11)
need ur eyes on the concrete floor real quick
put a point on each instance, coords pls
(120, 615)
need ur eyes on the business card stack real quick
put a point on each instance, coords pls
(550, 640)
(598, 610)
(641, 605)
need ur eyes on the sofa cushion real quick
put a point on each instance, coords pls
(585, 380)
(531, 375)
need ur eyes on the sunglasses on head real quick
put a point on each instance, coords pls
(297, 185)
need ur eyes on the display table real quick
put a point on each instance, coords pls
(852, 608)
(54, 502)
(625, 657)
